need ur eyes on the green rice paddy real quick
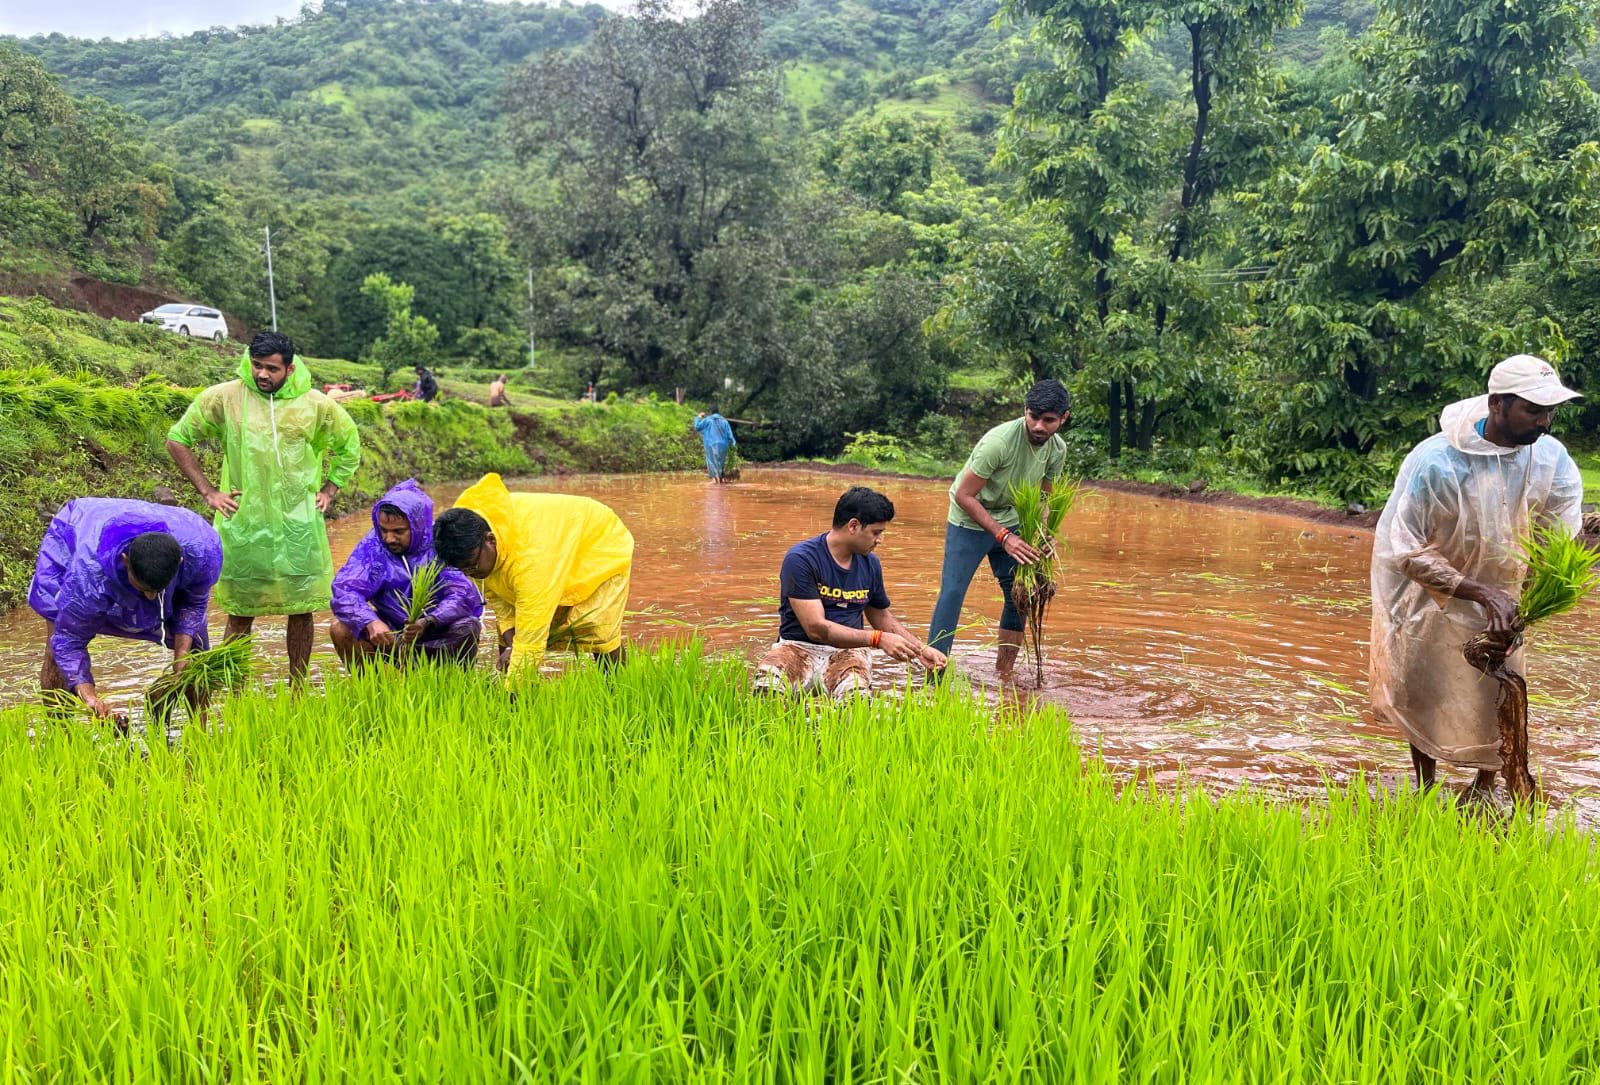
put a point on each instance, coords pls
(657, 877)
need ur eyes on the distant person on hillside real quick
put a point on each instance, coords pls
(426, 388)
(716, 435)
(983, 520)
(373, 590)
(274, 430)
(830, 589)
(497, 392)
(1446, 564)
(120, 568)
(555, 567)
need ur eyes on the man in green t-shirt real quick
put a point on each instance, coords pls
(982, 521)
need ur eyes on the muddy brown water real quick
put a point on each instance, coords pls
(1218, 645)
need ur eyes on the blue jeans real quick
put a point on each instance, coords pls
(964, 550)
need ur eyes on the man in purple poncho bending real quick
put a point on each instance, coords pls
(125, 569)
(371, 592)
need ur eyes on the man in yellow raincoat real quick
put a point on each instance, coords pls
(274, 430)
(1446, 562)
(555, 568)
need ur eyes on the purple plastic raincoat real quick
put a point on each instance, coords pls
(374, 582)
(81, 584)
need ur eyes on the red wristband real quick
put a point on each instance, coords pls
(877, 637)
(1001, 535)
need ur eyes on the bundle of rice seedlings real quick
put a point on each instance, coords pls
(1562, 571)
(425, 587)
(205, 673)
(1039, 519)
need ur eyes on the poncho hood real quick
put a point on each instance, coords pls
(1459, 424)
(417, 507)
(489, 498)
(297, 384)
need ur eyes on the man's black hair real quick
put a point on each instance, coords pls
(1048, 397)
(713, 409)
(456, 534)
(266, 344)
(860, 503)
(153, 558)
(393, 510)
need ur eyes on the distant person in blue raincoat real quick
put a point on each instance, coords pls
(371, 592)
(717, 436)
(120, 568)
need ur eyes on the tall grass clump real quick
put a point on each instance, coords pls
(658, 877)
(1561, 574)
(1040, 515)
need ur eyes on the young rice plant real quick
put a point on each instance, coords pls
(656, 876)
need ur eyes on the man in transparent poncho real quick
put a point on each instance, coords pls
(275, 431)
(1446, 562)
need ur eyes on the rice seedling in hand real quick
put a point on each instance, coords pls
(424, 591)
(204, 674)
(1040, 515)
(1562, 571)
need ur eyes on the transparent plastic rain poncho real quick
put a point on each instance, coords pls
(1459, 508)
(275, 557)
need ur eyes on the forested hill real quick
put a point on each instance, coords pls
(380, 102)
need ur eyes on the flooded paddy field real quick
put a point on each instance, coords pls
(1219, 645)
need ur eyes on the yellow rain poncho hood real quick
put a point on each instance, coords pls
(554, 550)
(1459, 508)
(275, 557)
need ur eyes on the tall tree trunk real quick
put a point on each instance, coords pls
(1147, 426)
(1114, 419)
(1130, 401)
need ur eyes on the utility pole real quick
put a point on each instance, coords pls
(532, 354)
(272, 292)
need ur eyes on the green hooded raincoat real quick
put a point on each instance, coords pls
(275, 557)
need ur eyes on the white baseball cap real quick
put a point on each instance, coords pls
(1531, 378)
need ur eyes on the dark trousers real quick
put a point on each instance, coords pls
(964, 550)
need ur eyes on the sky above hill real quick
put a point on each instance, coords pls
(147, 18)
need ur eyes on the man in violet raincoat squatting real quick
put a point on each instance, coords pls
(371, 592)
(123, 569)
(275, 430)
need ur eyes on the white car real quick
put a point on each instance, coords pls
(195, 320)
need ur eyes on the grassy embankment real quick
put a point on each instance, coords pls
(85, 405)
(660, 878)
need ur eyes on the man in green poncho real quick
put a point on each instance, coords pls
(274, 430)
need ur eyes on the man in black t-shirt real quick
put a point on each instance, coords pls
(831, 589)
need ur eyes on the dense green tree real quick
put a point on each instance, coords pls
(1129, 177)
(880, 158)
(407, 339)
(1467, 145)
(651, 148)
